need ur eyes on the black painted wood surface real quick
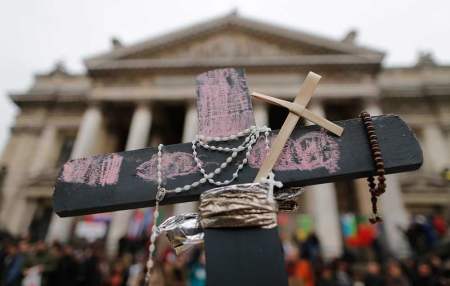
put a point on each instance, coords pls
(86, 195)
(244, 256)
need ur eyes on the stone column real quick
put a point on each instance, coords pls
(261, 114)
(140, 127)
(137, 139)
(436, 149)
(91, 125)
(363, 197)
(322, 205)
(395, 216)
(44, 158)
(46, 150)
(190, 127)
(15, 206)
(189, 132)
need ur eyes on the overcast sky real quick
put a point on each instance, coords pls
(34, 34)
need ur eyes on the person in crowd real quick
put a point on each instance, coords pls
(373, 275)
(117, 275)
(39, 265)
(439, 224)
(326, 277)
(310, 248)
(197, 271)
(436, 265)
(424, 276)
(174, 268)
(67, 269)
(13, 263)
(136, 270)
(304, 271)
(90, 274)
(395, 276)
(343, 273)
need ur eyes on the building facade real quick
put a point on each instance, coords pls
(140, 95)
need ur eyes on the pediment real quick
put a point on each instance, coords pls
(228, 37)
(230, 43)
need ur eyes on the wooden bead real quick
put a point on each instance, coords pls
(374, 189)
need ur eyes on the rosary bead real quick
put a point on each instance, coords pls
(202, 181)
(187, 187)
(210, 176)
(235, 175)
(229, 159)
(380, 164)
(149, 264)
(195, 184)
(178, 189)
(217, 171)
(223, 165)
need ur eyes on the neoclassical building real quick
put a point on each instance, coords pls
(142, 94)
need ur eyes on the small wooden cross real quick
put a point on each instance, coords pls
(296, 109)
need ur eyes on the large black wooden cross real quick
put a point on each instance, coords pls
(128, 180)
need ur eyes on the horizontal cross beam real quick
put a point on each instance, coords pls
(127, 180)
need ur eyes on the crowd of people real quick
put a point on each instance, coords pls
(306, 268)
(25, 263)
(38, 264)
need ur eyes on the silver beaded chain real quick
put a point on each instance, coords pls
(252, 135)
(159, 197)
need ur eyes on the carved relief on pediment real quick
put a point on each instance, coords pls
(228, 45)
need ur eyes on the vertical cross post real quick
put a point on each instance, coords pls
(235, 256)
